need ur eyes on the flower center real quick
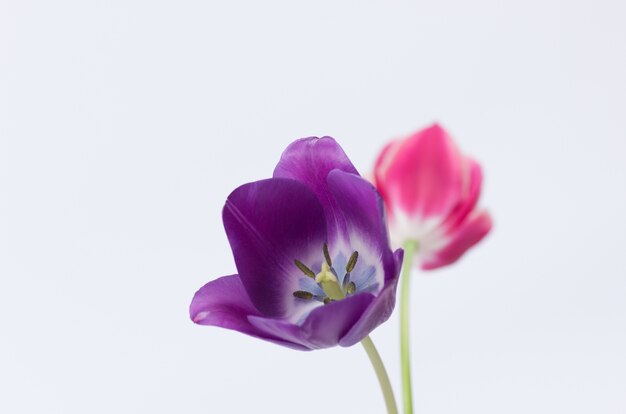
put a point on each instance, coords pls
(327, 280)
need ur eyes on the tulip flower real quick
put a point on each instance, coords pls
(314, 267)
(430, 191)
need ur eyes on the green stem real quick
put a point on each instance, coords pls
(410, 246)
(381, 373)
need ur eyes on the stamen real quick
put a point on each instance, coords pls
(352, 262)
(346, 280)
(304, 269)
(303, 294)
(351, 288)
(327, 255)
(327, 300)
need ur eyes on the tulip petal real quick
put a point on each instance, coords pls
(361, 207)
(469, 196)
(225, 303)
(378, 312)
(310, 160)
(421, 175)
(467, 235)
(380, 309)
(323, 328)
(363, 212)
(269, 224)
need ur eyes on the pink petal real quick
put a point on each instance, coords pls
(473, 178)
(470, 232)
(421, 175)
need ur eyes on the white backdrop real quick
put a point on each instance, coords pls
(125, 124)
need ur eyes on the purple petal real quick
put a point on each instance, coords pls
(363, 211)
(380, 310)
(225, 303)
(323, 328)
(310, 160)
(269, 224)
(360, 206)
(326, 325)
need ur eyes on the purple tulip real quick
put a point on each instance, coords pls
(310, 244)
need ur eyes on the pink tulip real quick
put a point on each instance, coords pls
(430, 190)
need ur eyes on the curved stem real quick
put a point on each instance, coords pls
(381, 373)
(410, 246)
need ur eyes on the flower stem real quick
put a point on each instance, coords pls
(410, 246)
(381, 373)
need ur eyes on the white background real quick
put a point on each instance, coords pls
(125, 124)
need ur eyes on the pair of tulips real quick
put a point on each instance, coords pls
(313, 244)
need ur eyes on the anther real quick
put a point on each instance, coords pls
(327, 255)
(351, 288)
(346, 280)
(303, 294)
(352, 262)
(327, 300)
(304, 269)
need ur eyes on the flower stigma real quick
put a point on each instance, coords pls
(328, 281)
